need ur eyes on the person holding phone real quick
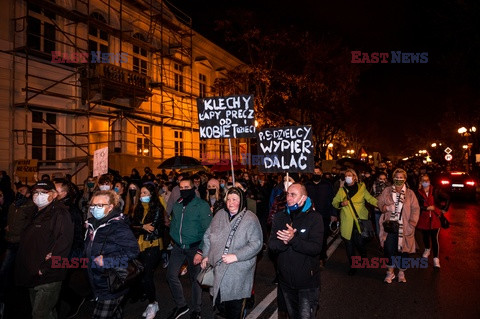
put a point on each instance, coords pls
(297, 238)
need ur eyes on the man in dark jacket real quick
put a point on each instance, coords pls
(19, 216)
(320, 191)
(297, 236)
(49, 234)
(191, 217)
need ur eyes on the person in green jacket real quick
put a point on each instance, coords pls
(191, 217)
(349, 226)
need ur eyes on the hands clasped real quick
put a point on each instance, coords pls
(287, 234)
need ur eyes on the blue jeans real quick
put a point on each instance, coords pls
(390, 249)
(301, 303)
(177, 258)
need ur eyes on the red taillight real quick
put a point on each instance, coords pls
(445, 182)
(470, 183)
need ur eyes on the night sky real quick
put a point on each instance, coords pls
(399, 107)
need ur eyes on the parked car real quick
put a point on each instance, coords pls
(458, 183)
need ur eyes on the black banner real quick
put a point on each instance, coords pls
(226, 117)
(286, 149)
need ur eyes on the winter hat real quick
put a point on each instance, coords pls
(237, 191)
(294, 176)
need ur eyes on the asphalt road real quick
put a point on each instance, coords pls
(451, 292)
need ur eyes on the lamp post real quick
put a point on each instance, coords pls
(466, 132)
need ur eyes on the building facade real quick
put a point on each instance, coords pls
(79, 75)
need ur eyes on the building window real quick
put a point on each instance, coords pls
(140, 56)
(178, 77)
(97, 38)
(178, 142)
(144, 147)
(44, 137)
(41, 34)
(202, 80)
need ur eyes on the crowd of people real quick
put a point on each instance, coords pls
(186, 223)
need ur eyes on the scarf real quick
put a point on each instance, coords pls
(398, 199)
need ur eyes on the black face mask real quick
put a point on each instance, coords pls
(19, 196)
(132, 192)
(317, 178)
(212, 191)
(187, 194)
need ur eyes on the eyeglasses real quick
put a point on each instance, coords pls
(99, 206)
(40, 192)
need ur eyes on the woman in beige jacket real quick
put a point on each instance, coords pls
(399, 206)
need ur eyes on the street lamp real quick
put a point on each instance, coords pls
(462, 130)
(434, 145)
(465, 147)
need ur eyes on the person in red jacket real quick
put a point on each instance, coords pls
(432, 203)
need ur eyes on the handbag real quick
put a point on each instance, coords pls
(391, 226)
(207, 275)
(119, 278)
(366, 225)
(444, 221)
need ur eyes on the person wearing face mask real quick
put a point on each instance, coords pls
(433, 202)
(297, 238)
(19, 216)
(148, 224)
(235, 268)
(119, 188)
(399, 205)
(88, 189)
(350, 226)
(132, 199)
(109, 240)
(50, 233)
(213, 196)
(191, 217)
(320, 191)
(379, 185)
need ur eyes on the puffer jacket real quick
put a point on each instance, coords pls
(112, 238)
(19, 216)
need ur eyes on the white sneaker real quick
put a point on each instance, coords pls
(401, 276)
(151, 311)
(390, 276)
(426, 253)
(436, 262)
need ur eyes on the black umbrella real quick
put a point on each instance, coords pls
(180, 162)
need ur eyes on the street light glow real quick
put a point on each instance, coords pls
(330, 145)
(434, 145)
(465, 147)
(473, 129)
(462, 130)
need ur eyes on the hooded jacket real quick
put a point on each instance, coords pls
(112, 238)
(50, 232)
(299, 259)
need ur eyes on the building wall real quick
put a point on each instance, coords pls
(169, 115)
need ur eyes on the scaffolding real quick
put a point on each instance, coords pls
(143, 82)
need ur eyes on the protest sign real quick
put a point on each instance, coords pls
(226, 117)
(26, 170)
(286, 149)
(100, 162)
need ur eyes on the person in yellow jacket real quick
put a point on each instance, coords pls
(349, 226)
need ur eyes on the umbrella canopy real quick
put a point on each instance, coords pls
(224, 166)
(180, 162)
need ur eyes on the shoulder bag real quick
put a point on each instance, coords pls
(393, 226)
(207, 275)
(366, 226)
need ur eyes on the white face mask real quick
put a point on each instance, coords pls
(287, 184)
(349, 179)
(104, 187)
(41, 200)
